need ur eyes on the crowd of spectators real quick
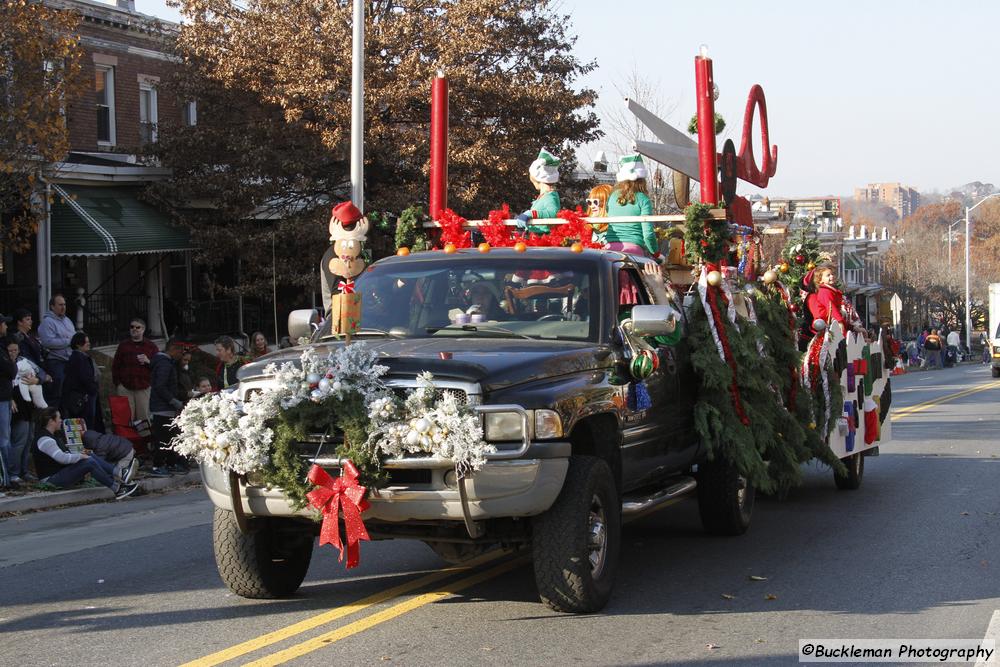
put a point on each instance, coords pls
(49, 376)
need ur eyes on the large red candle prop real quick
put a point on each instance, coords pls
(439, 146)
(707, 168)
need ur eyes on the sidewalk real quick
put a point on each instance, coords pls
(41, 500)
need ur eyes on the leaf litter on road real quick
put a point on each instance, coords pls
(728, 596)
(754, 577)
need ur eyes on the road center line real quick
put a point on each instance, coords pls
(392, 612)
(920, 407)
(282, 634)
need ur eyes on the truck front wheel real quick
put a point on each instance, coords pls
(269, 562)
(855, 465)
(725, 499)
(576, 543)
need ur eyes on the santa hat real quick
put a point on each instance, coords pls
(346, 212)
(545, 168)
(631, 168)
(807, 280)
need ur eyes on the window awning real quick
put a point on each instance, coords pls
(104, 221)
(852, 262)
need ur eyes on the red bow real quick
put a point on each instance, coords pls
(346, 286)
(336, 496)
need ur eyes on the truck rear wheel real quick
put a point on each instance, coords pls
(269, 562)
(576, 543)
(855, 465)
(725, 499)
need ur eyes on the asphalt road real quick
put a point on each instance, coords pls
(914, 553)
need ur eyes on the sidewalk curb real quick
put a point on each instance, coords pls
(49, 500)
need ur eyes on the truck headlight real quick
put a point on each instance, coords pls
(547, 425)
(503, 426)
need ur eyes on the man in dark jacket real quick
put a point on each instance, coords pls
(8, 371)
(163, 407)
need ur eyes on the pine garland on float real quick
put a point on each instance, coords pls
(750, 411)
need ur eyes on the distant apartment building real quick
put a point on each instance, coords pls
(901, 198)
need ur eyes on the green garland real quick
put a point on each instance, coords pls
(287, 468)
(720, 124)
(705, 238)
(410, 230)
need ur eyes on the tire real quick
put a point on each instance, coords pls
(269, 562)
(577, 542)
(855, 465)
(725, 499)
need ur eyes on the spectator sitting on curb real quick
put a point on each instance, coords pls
(115, 450)
(130, 368)
(58, 466)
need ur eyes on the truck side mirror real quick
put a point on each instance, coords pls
(302, 323)
(654, 320)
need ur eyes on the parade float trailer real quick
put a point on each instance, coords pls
(587, 390)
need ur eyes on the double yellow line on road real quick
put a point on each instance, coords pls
(920, 407)
(314, 622)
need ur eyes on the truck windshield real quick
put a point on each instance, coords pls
(478, 297)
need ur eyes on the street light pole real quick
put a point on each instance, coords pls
(968, 304)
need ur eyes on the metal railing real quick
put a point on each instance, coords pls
(106, 316)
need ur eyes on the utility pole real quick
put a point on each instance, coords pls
(358, 108)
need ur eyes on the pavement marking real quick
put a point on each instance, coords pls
(992, 632)
(282, 634)
(920, 407)
(326, 639)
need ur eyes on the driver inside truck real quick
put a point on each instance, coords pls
(483, 297)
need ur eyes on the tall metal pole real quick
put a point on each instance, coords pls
(358, 108)
(968, 306)
(707, 166)
(439, 146)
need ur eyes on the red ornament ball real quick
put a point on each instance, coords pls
(793, 308)
(800, 259)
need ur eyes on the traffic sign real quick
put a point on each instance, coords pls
(896, 306)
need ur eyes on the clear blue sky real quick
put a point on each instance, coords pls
(857, 91)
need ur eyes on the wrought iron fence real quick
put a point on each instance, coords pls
(106, 316)
(208, 319)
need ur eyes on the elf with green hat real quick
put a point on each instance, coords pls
(544, 174)
(631, 197)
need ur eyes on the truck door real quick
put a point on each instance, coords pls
(649, 435)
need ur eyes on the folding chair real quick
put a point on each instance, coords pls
(121, 424)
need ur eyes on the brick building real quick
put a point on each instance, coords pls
(111, 254)
(901, 198)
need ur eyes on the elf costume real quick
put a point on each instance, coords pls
(544, 170)
(641, 234)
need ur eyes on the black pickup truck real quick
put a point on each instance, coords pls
(539, 343)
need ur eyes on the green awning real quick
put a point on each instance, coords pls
(852, 262)
(99, 222)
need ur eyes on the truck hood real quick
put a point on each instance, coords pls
(491, 362)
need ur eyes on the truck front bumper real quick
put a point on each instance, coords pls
(502, 488)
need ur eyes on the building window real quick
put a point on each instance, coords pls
(190, 113)
(147, 113)
(104, 87)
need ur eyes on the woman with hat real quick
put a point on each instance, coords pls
(544, 174)
(631, 197)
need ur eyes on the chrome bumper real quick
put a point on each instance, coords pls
(501, 488)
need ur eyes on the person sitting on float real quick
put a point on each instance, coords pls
(826, 302)
(483, 298)
(631, 197)
(544, 174)
(597, 207)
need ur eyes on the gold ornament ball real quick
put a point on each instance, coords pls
(811, 266)
(520, 246)
(576, 247)
(403, 251)
(714, 278)
(783, 268)
(770, 276)
(484, 247)
(450, 248)
(812, 426)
